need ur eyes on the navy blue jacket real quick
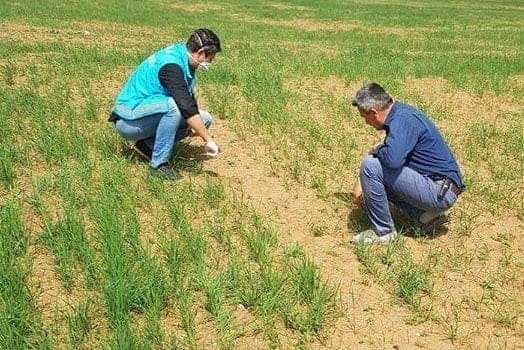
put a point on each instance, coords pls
(413, 140)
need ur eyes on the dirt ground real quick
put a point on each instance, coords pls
(371, 316)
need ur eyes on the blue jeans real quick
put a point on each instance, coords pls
(408, 190)
(159, 131)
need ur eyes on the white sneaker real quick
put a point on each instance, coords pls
(370, 237)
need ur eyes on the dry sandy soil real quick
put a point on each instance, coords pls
(371, 316)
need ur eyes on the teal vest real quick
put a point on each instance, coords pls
(142, 94)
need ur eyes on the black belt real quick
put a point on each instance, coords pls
(447, 184)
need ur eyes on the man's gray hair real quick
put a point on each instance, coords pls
(372, 96)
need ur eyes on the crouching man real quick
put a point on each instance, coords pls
(413, 168)
(157, 106)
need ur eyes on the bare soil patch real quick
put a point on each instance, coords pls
(198, 8)
(370, 315)
(280, 6)
(89, 34)
(309, 25)
(463, 106)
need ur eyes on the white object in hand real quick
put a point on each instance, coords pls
(211, 148)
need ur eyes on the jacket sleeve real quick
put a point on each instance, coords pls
(172, 79)
(399, 143)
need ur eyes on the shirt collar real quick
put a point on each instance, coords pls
(391, 113)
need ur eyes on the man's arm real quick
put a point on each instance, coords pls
(400, 141)
(198, 127)
(172, 78)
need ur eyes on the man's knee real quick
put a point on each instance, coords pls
(370, 167)
(173, 111)
(126, 131)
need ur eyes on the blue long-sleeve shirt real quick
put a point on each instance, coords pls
(412, 140)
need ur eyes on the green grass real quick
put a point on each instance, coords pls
(79, 323)
(19, 322)
(147, 264)
(66, 239)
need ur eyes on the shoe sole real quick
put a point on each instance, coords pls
(431, 227)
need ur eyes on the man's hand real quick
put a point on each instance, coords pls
(357, 194)
(211, 149)
(191, 132)
(199, 129)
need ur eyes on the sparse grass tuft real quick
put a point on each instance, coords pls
(79, 323)
(66, 239)
(394, 264)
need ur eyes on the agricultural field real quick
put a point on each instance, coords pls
(251, 249)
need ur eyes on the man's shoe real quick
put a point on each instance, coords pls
(432, 226)
(165, 172)
(143, 149)
(370, 237)
(430, 215)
